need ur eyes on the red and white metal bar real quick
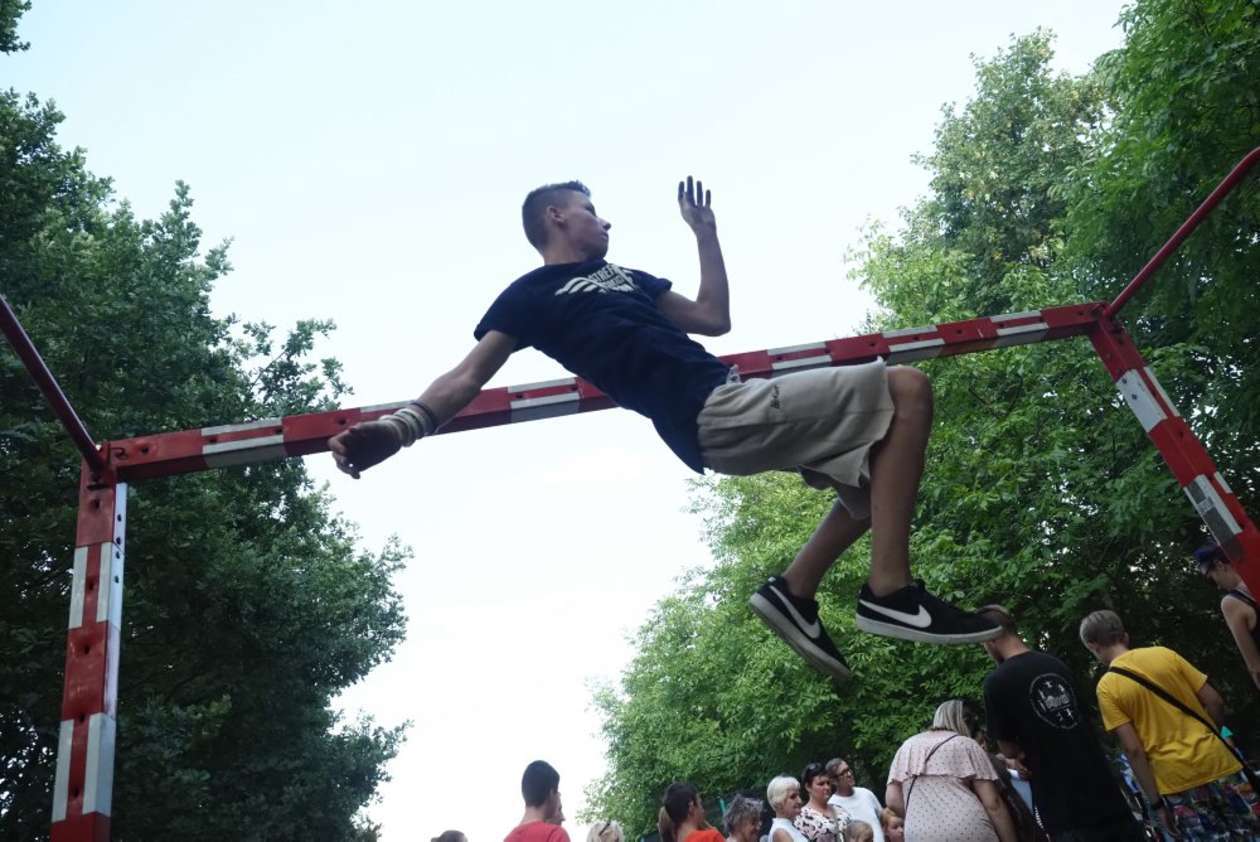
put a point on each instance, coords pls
(85, 759)
(1228, 183)
(83, 787)
(34, 363)
(1186, 456)
(298, 435)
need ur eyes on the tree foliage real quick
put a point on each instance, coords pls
(248, 605)
(10, 12)
(1041, 492)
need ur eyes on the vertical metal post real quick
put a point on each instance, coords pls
(84, 785)
(1186, 456)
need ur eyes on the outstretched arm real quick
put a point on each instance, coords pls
(710, 313)
(372, 442)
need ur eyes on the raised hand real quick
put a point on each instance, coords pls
(695, 203)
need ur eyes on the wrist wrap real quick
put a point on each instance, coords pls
(411, 422)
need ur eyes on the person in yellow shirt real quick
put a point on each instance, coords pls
(1186, 773)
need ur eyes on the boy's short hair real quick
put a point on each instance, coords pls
(1102, 628)
(539, 781)
(536, 204)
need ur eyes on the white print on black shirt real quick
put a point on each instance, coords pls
(1053, 701)
(608, 278)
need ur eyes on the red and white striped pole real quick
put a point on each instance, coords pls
(1186, 456)
(84, 786)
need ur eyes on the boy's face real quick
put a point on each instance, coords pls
(1222, 575)
(581, 226)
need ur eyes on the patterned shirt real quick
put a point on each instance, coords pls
(822, 827)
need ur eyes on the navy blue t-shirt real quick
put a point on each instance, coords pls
(1031, 701)
(601, 322)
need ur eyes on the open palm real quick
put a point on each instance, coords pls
(695, 203)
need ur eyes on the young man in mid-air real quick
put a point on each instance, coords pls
(861, 430)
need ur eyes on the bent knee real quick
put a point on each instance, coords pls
(909, 385)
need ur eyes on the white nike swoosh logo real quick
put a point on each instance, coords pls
(812, 629)
(920, 621)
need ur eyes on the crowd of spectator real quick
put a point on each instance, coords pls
(1031, 769)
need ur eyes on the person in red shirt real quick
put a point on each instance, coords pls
(682, 816)
(540, 785)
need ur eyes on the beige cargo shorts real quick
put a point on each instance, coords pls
(821, 423)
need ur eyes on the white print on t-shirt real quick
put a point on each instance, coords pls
(608, 278)
(1053, 701)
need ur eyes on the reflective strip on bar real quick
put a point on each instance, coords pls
(1159, 388)
(238, 428)
(1212, 509)
(796, 349)
(1020, 334)
(77, 587)
(802, 362)
(244, 451)
(98, 780)
(548, 406)
(107, 589)
(924, 349)
(61, 786)
(545, 384)
(1133, 391)
(908, 331)
(1010, 317)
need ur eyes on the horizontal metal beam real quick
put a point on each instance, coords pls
(266, 439)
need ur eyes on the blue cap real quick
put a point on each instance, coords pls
(1208, 554)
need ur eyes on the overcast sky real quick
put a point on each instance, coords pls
(368, 161)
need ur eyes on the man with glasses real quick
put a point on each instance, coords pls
(860, 803)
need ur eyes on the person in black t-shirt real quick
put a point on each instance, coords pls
(1034, 713)
(861, 430)
(1238, 606)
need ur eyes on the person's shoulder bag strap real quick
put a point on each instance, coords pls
(925, 763)
(1252, 778)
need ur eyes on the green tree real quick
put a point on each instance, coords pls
(10, 12)
(1041, 491)
(248, 606)
(1185, 95)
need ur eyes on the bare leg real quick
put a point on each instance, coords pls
(834, 535)
(896, 468)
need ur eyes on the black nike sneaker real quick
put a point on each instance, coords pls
(914, 614)
(796, 621)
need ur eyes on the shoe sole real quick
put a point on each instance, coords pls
(902, 633)
(792, 636)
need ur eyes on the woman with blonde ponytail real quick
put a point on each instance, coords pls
(681, 818)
